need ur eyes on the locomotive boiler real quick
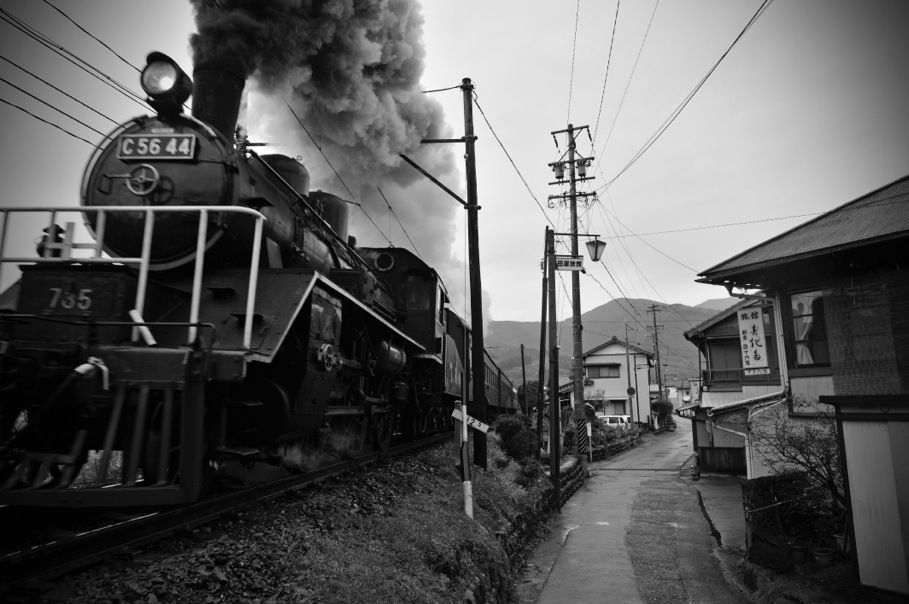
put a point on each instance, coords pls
(202, 313)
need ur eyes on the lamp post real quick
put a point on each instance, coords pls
(595, 249)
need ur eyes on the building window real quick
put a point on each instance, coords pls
(603, 371)
(809, 329)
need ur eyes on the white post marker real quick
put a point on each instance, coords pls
(590, 440)
(471, 421)
(465, 460)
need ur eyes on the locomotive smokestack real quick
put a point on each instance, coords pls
(217, 89)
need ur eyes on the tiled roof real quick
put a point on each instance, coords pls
(880, 215)
(710, 322)
(615, 340)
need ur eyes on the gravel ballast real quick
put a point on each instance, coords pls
(393, 532)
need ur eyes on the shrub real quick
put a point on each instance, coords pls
(663, 408)
(519, 440)
(530, 474)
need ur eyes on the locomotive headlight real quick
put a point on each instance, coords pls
(166, 85)
(158, 78)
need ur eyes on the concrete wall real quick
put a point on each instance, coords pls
(877, 455)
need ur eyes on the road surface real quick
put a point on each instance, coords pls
(635, 532)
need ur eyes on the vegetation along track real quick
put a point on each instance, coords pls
(44, 549)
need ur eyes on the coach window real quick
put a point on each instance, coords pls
(809, 329)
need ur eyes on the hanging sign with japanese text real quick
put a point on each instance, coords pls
(569, 263)
(751, 339)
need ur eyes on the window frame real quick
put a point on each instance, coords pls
(796, 340)
(600, 366)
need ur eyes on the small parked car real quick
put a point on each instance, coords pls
(616, 421)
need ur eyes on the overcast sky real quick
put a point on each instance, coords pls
(806, 112)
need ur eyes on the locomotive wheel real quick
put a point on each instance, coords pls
(382, 427)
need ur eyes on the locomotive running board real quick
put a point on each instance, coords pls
(274, 316)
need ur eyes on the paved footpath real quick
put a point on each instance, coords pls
(630, 534)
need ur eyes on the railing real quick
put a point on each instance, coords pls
(90, 248)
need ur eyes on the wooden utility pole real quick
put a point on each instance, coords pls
(478, 407)
(555, 408)
(629, 370)
(479, 404)
(653, 309)
(582, 445)
(542, 368)
(525, 407)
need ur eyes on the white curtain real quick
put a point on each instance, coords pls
(803, 321)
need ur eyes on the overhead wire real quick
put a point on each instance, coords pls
(395, 215)
(71, 57)
(90, 35)
(618, 286)
(63, 92)
(510, 159)
(57, 109)
(638, 273)
(678, 110)
(720, 226)
(615, 24)
(574, 44)
(634, 68)
(337, 175)
(39, 118)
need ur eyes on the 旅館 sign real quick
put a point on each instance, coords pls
(752, 341)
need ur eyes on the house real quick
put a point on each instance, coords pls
(840, 287)
(742, 376)
(618, 380)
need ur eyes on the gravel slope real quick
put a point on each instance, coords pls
(394, 532)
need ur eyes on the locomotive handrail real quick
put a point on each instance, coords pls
(67, 245)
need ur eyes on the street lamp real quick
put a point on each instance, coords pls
(595, 248)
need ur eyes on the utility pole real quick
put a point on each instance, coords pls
(629, 370)
(478, 408)
(577, 366)
(525, 407)
(476, 288)
(653, 309)
(555, 407)
(542, 368)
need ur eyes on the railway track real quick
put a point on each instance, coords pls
(57, 551)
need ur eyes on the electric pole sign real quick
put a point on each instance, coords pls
(569, 263)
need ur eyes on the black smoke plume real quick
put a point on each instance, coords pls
(351, 71)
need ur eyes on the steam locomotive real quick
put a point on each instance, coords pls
(203, 313)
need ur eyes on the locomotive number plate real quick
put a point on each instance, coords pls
(59, 295)
(157, 146)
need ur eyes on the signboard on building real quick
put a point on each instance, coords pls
(751, 339)
(569, 263)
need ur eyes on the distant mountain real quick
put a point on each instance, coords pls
(678, 356)
(718, 304)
